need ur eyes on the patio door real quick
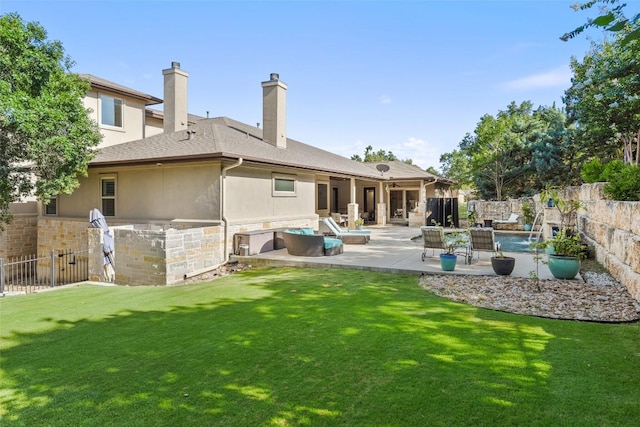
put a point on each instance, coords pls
(369, 201)
(396, 204)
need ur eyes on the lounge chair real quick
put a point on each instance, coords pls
(512, 220)
(481, 239)
(345, 230)
(432, 238)
(347, 236)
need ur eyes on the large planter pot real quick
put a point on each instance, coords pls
(564, 267)
(448, 262)
(528, 227)
(503, 266)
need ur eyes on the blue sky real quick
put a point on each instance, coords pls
(408, 77)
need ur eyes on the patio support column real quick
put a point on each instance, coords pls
(422, 201)
(352, 207)
(381, 207)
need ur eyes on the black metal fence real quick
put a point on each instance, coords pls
(30, 273)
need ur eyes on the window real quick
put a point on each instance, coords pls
(284, 185)
(108, 196)
(110, 111)
(323, 196)
(51, 207)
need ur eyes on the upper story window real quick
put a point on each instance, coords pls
(110, 111)
(108, 196)
(284, 185)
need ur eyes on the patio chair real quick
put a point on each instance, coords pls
(348, 236)
(432, 238)
(338, 218)
(481, 239)
(513, 219)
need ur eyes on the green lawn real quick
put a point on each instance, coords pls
(288, 347)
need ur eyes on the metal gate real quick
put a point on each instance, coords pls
(30, 273)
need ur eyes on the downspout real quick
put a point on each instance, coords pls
(222, 206)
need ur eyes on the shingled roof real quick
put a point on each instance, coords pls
(100, 83)
(402, 171)
(222, 137)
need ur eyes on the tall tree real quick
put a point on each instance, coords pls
(378, 156)
(457, 164)
(499, 157)
(612, 19)
(556, 158)
(604, 99)
(46, 136)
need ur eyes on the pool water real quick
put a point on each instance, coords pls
(515, 242)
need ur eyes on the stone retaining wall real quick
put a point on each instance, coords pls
(500, 211)
(612, 229)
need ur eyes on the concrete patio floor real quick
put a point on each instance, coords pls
(392, 250)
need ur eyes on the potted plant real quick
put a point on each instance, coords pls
(359, 223)
(472, 218)
(568, 209)
(565, 254)
(452, 241)
(503, 265)
(527, 213)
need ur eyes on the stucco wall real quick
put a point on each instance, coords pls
(153, 193)
(249, 195)
(133, 117)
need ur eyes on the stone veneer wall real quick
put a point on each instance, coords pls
(500, 211)
(61, 234)
(612, 229)
(150, 255)
(20, 238)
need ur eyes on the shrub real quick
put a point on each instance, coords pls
(623, 179)
(624, 184)
(592, 171)
(611, 170)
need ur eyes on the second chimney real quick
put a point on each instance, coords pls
(175, 98)
(274, 112)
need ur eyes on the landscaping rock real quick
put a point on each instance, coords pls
(595, 298)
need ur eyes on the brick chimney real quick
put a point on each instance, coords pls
(274, 112)
(175, 98)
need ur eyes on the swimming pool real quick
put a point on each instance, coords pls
(512, 242)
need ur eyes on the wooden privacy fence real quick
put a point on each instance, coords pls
(30, 273)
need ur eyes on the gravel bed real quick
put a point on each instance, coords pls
(598, 298)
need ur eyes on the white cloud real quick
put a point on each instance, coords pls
(558, 77)
(422, 153)
(384, 99)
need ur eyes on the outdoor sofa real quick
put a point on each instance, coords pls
(304, 242)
